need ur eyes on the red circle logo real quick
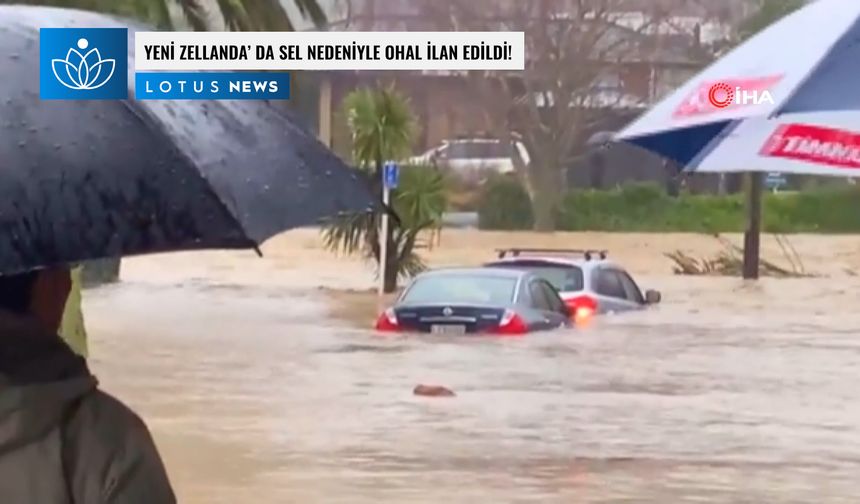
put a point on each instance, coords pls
(721, 95)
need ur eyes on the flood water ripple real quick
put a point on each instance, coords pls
(719, 395)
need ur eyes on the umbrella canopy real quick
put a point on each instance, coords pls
(91, 179)
(786, 100)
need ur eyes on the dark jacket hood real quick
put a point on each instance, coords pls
(40, 379)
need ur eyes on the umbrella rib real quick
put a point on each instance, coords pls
(151, 122)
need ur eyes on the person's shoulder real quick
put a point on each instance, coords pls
(114, 456)
(102, 407)
(104, 421)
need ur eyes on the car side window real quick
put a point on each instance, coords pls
(609, 284)
(539, 300)
(458, 150)
(630, 288)
(523, 295)
(555, 302)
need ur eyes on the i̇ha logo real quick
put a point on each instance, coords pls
(83, 63)
(711, 97)
(81, 71)
(721, 95)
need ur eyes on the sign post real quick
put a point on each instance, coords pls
(752, 236)
(390, 179)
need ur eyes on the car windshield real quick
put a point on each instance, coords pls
(481, 289)
(564, 278)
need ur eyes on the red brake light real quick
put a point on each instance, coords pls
(511, 324)
(582, 306)
(388, 321)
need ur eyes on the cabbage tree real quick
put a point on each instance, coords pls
(383, 128)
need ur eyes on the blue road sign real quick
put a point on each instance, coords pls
(390, 175)
(775, 180)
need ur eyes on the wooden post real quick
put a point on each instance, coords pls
(325, 110)
(752, 236)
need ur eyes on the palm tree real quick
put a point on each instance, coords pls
(237, 15)
(383, 128)
(382, 125)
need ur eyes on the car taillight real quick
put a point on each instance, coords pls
(582, 306)
(510, 324)
(388, 321)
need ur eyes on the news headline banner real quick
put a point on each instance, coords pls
(268, 51)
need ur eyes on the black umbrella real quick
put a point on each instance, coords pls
(92, 179)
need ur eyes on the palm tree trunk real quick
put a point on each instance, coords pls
(390, 284)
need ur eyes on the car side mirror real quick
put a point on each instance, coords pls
(652, 297)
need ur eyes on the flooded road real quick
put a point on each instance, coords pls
(724, 393)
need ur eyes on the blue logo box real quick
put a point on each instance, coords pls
(83, 63)
(211, 86)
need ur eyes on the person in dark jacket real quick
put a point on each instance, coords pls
(62, 440)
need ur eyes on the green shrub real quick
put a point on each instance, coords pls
(829, 209)
(641, 207)
(647, 208)
(705, 213)
(504, 204)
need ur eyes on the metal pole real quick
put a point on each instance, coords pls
(752, 236)
(383, 243)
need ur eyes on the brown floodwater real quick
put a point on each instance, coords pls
(727, 392)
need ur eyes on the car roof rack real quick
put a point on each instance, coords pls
(588, 254)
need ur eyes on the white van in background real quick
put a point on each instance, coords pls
(472, 160)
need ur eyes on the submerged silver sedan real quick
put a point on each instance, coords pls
(587, 281)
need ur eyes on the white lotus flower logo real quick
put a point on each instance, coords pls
(83, 71)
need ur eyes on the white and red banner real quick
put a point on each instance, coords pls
(817, 144)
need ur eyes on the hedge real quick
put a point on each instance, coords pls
(504, 204)
(647, 208)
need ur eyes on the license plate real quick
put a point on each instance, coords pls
(448, 329)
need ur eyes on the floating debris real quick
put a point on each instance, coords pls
(433, 391)
(729, 262)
